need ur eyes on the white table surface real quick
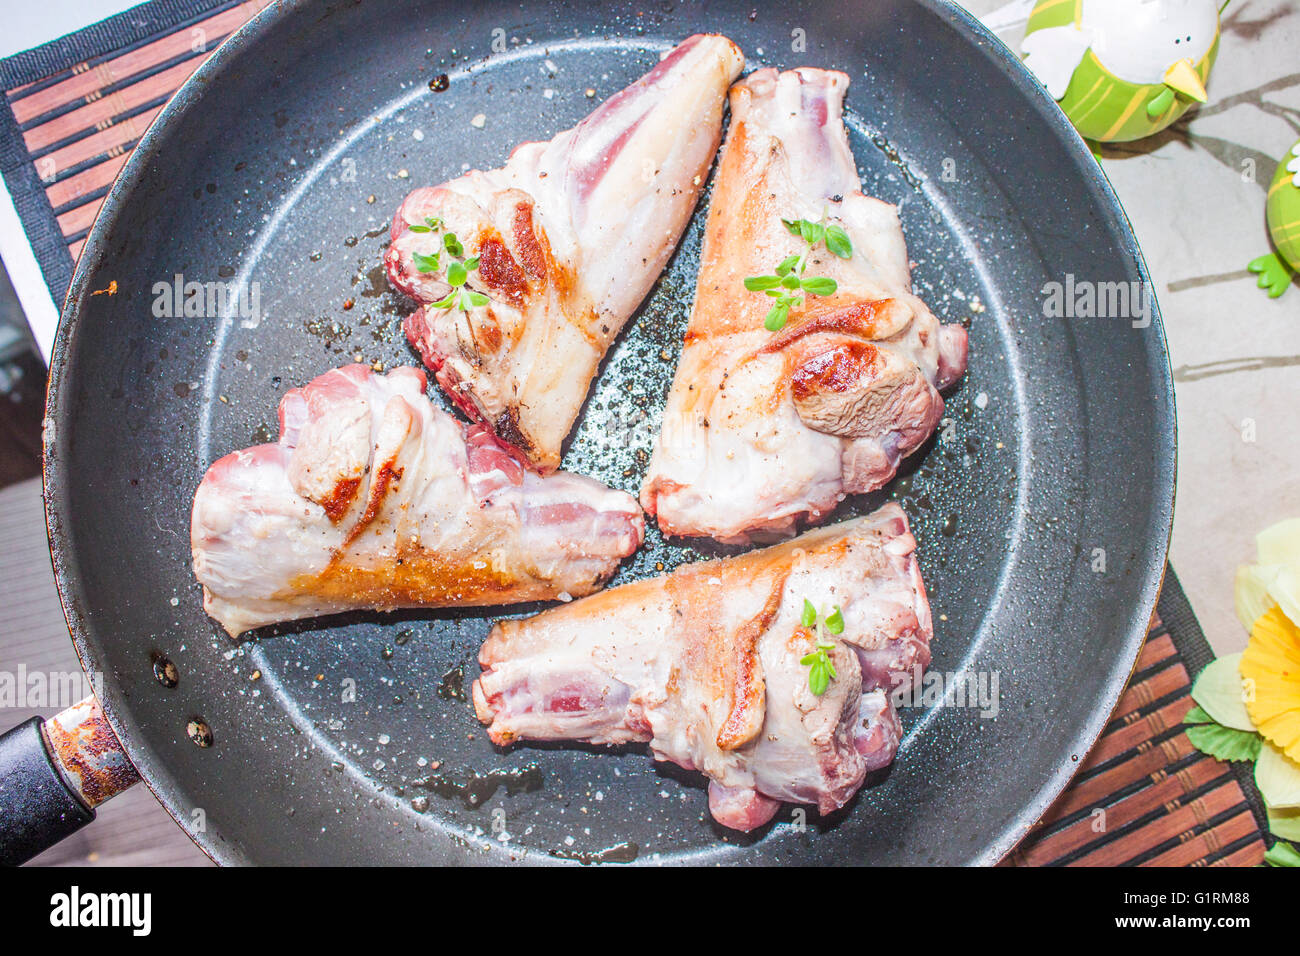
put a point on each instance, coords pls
(1236, 354)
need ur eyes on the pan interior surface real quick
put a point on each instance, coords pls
(1041, 508)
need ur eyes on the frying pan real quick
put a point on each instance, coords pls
(1043, 511)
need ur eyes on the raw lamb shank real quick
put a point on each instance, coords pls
(707, 664)
(527, 273)
(373, 498)
(779, 410)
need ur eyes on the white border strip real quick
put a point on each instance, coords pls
(25, 273)
(25, 28)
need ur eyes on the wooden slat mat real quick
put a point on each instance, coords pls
(73, 110)
(1145, 795)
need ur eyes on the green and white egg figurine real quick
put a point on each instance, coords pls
(1278, 268)
(1123, 69)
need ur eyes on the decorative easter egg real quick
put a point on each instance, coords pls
(1123, 69)
(1284, 208)
(1278, 268)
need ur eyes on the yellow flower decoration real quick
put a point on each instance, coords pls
(1271, 665)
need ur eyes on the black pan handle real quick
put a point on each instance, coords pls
(52, 776)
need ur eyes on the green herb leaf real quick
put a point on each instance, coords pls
(789, 272)
(821, 670)
(819, 286)
(1282, 854)
(478, 298)
(433, 222)
(811, 232)
(786, 264)
(837, 241)
(446, 302)
(1224, 743)
(819, 680)
(425, 263)
(456, 274)
(453, 244)
(809, 617)
(418, 228)
(776, 318)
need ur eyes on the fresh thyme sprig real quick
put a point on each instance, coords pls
(787, 284)
(820, 669)
(458, 269)
(431, 224)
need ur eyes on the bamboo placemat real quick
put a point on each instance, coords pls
(74, 109)
(1145, 795)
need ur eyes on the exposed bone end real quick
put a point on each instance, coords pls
(483, 709)
(879, 731)
(740, 808)
(953, 347)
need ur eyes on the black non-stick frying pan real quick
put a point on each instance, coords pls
(1043, 513)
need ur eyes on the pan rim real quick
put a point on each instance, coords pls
(1152, 563)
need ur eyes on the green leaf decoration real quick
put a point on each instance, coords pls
(1282, 854)
(789, 271)
(819, 286)
(821, 670)
(809, 617)
(1197, 716)
(820, 674)
(1224, 743)
(1219, 692)
(456, 274)
(837, 241)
